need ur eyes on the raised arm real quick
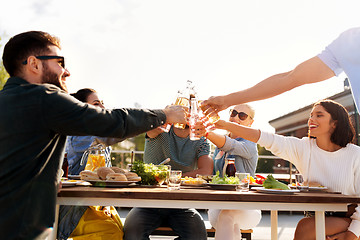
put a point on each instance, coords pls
(310, 71)
(217, 139)
(247, 133)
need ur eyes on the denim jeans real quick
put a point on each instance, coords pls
(69, 217)
(141, 222)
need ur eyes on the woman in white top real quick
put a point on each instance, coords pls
(327, 157)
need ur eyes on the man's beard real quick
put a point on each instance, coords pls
(52, 78)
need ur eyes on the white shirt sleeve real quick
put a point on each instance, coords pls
(292, 149)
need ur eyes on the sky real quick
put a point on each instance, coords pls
(139, 53)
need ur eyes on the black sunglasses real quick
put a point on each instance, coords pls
(61, 62)
(243, 116)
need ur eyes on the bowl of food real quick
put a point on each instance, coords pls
(161, 172)
(151, 174)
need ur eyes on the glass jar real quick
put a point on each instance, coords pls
(94, 157)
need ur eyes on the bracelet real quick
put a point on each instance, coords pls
(206, 135)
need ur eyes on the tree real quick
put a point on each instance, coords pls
(3, 74)
(265, 165)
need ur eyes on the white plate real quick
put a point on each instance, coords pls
(317, 188)
(268, 190)
(100, 183)
(70, 183)
(298, 187)
(307, 188)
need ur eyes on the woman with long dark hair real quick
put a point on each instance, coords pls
(326, 157)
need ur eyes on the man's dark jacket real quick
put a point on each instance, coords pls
(34, 122)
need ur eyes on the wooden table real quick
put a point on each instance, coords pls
(160, 197)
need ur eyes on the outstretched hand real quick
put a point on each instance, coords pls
(175, 114)
(216, 102)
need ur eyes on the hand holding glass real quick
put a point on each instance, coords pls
(210, 113)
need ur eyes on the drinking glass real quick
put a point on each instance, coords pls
(210, 113)
(162, 173)
(174, 180)
(299, 180)
(244, 179)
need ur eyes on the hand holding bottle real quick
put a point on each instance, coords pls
(175, 114)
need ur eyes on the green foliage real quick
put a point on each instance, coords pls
(139, 141)
(147, 178)
(265, 165)
(3, 74)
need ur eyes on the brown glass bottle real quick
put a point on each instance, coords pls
(230, 168)
(65, 166)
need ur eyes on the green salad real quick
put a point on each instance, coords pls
(224, 180)
(150, 174)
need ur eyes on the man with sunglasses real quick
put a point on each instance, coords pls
(229, 222)
(36, 114)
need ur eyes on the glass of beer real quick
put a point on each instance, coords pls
(181, 100)
(210, 113)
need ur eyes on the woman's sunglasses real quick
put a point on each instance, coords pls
(243, 116)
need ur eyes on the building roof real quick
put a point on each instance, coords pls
(298, 119)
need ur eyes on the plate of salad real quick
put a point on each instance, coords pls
(271, 185)
(223, 183)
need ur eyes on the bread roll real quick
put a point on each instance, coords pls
(131, 175)
(88, 175)
(116, 177)
(119, 170)
(104, 171)
(137, 179)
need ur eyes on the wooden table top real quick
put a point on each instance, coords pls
(203, 194)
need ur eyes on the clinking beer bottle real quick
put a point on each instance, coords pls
(194, 117)
(181, 100)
